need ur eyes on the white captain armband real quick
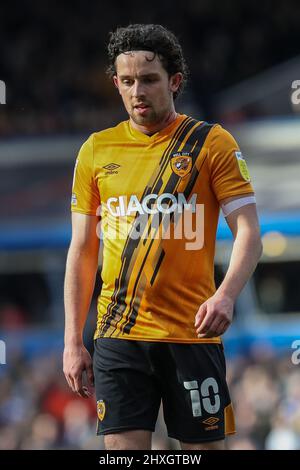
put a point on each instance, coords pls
(236, 204)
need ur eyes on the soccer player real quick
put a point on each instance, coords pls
(157, 182)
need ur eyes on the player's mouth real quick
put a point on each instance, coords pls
(141, 108)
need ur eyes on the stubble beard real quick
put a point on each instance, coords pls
(153, 117)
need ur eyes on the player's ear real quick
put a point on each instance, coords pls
(175, 81)
(115, 80)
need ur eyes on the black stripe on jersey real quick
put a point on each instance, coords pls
(161, 257)
(130, 246)
(195, 141)
(205, 129)
(159, 182)
(117, 304)
(131, 315)
(164, 161)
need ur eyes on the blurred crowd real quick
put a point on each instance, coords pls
(53, 55)
(38, 411)
(265, 390)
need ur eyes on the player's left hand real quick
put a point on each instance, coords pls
(214, 316)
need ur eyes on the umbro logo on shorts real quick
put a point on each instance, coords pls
(211, 423)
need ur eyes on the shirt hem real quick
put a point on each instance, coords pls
(164, 340)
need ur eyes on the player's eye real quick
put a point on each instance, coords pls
(149, 80)
(127, 82)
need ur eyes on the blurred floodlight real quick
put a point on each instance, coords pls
(274, 244)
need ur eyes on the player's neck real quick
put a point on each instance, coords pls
(150, 130)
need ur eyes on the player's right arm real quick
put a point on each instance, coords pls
(81, 269)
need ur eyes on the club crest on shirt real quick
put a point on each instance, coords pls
(100, 409)
(242, 166)
(181, 163)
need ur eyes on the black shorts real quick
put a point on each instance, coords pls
(132, 377)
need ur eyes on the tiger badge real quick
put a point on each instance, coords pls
(181, 163)
(100, 409)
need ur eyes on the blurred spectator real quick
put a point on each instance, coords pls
(43, 434)
(77, 424)
(282, 438)
(52, 56)
(12, 317)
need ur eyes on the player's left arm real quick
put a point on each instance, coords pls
(215, 315)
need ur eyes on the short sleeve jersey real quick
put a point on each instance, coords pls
(159, 200)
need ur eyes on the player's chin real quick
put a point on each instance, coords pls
(148, 117)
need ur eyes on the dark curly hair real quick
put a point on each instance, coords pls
(148, 37)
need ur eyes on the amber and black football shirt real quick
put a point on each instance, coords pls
(159, 202)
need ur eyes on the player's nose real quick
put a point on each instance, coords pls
(138, 89)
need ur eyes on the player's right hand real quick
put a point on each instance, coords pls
(76, 361)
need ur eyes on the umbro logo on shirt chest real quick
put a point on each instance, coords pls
(111, 169)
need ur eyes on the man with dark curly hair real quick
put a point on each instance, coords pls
(159, 179)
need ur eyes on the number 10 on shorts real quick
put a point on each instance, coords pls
(201, 398)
